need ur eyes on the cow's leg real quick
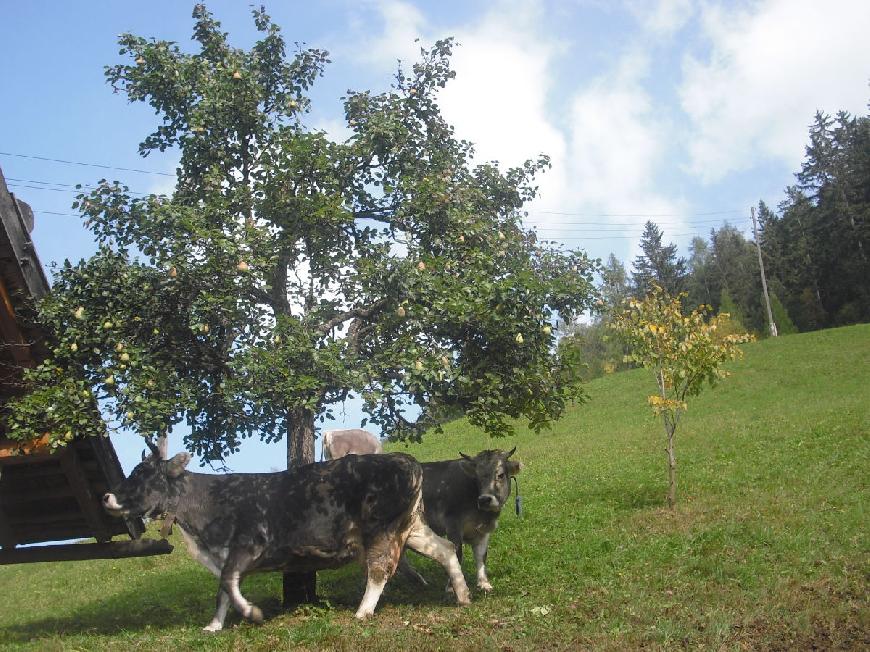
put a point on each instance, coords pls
(455, 537)
(375, 583)
(231, 576)
(426, 542)
(382, 557)
(223, 604)
(480, 547)
(406, 569)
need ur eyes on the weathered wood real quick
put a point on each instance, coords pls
(36, 495)
(85, 551)
(6, 537)
(36, 460)
(12, 337)
(63, 518)
(17, 219)
(89, 505)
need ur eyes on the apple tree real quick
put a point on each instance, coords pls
(287, 271)
(684, 352)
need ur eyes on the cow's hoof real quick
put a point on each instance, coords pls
(463, 599)
(255, 615)
(213, 627)
(484, 586)
(362, 614)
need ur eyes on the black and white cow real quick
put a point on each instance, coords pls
(463, 500)
(356, 441)
(316, 516)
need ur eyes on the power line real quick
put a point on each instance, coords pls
(44, 185)
(608, 223)
(644, 215)
(613, 237)
(555, 228)
(90, 165)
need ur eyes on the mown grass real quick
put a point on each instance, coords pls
(768, 547)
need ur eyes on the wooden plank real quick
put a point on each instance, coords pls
(14, 233)
(7, 537)
(88, 504)
(15, 343)
(61, 519)
(32, 459)
(39, 494)
(84, 551)
(47, 533)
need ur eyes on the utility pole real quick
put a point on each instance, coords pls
(763, 278)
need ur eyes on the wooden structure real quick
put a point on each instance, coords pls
(48, 496)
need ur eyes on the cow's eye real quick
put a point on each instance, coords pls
(500, 475)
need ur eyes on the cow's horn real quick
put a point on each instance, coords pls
(513, 450)
(464, 456)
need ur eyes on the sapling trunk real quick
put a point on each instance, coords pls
(670, 429)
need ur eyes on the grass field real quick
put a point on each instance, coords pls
(768, 548)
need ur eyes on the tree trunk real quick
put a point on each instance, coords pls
(670, 428)
(300, 588)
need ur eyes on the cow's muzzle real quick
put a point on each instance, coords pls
(488, 503)
(111, 505)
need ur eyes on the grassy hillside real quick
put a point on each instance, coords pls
(768, 548)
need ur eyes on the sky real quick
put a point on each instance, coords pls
(679, 111)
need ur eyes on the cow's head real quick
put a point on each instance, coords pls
(150, 489)
(493, 472)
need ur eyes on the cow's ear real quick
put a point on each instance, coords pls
(513, 467)
(175, 467)
(468, 465)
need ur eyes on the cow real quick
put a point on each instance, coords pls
(313, 517)
(463, 500)
(338, 443)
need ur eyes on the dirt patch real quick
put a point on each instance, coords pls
(838, 618)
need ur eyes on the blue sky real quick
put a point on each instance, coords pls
(683, 112)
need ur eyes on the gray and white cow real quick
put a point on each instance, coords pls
(356, 441)
(313, 517)
(463, 500)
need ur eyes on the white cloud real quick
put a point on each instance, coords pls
(662, 18)
(607, 145)
(402, 24)
(769, 69)
(335, 129)
(618, 146)
(503, 83)
(504, 79)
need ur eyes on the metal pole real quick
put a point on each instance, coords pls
(763, 278)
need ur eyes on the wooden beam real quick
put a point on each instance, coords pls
(81, 488)
(84, 551)
(13, 339)
(18, 496)
(7, 538)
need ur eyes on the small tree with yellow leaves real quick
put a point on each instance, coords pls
(684, 352)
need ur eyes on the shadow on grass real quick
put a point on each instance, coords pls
(624, 497)
(186, 598)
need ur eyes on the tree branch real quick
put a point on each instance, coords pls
(355, 313)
